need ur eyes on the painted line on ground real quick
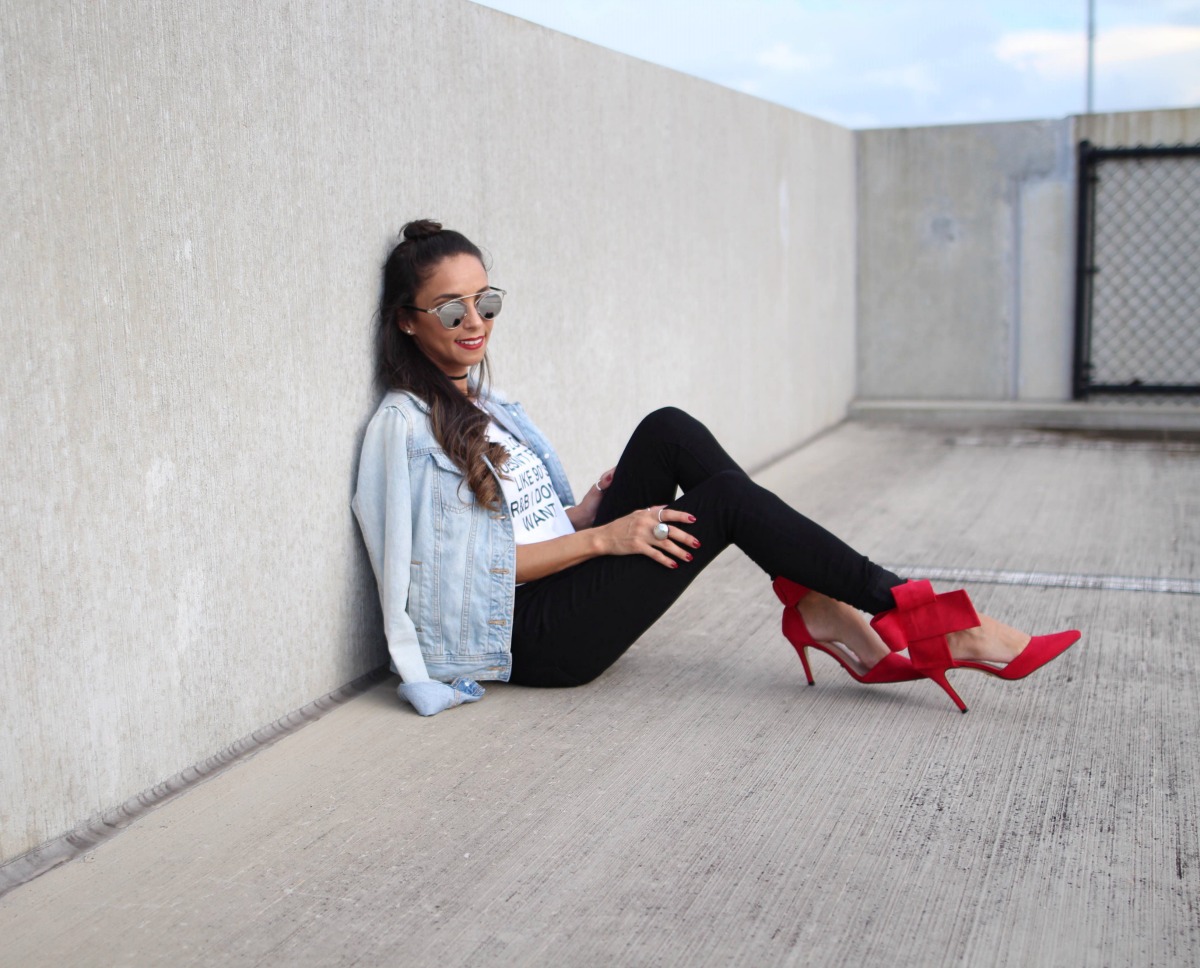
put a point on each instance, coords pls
(1046, 579)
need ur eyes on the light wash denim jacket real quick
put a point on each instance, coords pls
(445, 566)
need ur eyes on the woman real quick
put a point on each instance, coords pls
(488, 568)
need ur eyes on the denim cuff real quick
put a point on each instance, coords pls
(429, 697)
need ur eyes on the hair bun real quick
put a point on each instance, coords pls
(420, 228)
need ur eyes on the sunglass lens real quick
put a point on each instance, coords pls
(489, 305)
(452, 314)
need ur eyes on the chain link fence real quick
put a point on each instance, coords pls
(1138, 271)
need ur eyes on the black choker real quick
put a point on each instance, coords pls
(463, 377)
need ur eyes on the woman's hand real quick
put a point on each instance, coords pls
(584, 513)
(634, 535)
(630, 535)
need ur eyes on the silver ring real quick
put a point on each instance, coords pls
(661, 531)
(660, 511)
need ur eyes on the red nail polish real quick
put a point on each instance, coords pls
(692, 518)
(687, 556)
(674, 564)
(695, 544)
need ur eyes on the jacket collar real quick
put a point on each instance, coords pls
(494, 403)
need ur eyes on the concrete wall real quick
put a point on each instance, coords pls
(1178, 126)
(942, 219)
(198, 197)
(966, 253)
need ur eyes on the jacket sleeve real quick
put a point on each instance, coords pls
(383, 505)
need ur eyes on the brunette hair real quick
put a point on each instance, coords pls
(458, 425)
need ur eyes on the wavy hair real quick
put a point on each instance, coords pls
(459, 426)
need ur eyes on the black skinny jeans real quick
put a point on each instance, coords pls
(570, 626)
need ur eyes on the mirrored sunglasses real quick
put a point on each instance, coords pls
(488, 304)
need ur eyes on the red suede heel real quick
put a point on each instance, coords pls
(893, 668)
(921, 621)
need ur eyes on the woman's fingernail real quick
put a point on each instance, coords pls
(692, 518)
(687, 556)
(674, 564)
(695, 544)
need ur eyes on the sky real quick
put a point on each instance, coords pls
(871, 63)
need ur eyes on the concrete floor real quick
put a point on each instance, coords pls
(699, 805)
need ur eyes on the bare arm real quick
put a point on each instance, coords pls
(630, 535)
(547, 557)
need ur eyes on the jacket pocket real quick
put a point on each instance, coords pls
(453, 494)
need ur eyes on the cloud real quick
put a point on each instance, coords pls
(782, 58)
(865, 63)
(1059, 53)
(917, 78)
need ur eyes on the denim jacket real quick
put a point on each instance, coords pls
(445, 566)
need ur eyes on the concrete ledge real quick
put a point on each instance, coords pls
(1143, 418)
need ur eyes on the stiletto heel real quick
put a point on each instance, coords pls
(921, 621)
(939, 677)
(892, 668)
(802, 650)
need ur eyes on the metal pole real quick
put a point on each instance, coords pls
(1091, 52)
(1081, 370)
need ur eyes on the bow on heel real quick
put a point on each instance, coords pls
(892, 668)
(921, 621)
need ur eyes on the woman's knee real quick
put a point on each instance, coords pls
(666, 422)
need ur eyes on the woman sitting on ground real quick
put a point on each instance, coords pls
(488, 568)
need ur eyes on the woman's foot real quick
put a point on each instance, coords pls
(944, 632)
(834, 622)
(990, 641)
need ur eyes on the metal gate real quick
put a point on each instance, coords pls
(1137, 293)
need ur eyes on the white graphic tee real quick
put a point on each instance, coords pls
(533, 504)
